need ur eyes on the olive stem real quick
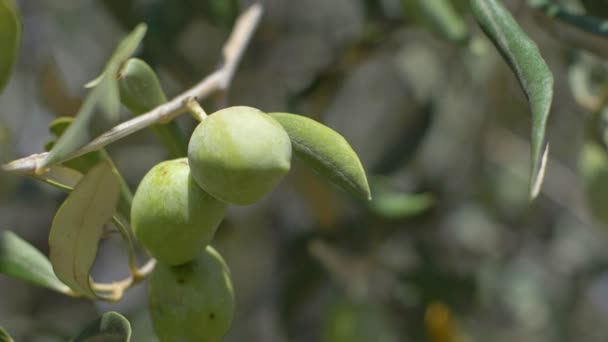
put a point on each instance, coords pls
(117, 289)
(196, 110)
(219, 80)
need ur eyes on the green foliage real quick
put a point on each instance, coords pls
(327, 152)
(172, 216)
(103, 100)
(351, 321)
(524, 58)
(441, 16)
(4, 336)
(583, 22)
(239, 154)
(20, 260)
(110, 327)
(193, 302)
(78, 227)
(141, 91)
(10, 39)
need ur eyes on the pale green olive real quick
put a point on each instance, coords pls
(193, 302)
(239, 154)
(172, 217)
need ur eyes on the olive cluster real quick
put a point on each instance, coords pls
(235, 156)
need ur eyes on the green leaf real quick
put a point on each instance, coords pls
(103, 98)
(10, 40)
(78, 227)
(584, 22)
(400, 205)
(327, 152)
(440, 16)
(4, 336)
(524, 58)
(140, 91)
(110, 327)
(19, 259)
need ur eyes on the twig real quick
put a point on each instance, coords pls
(219, 80)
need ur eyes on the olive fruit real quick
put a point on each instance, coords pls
(194, 301)
(239, 154)
(172, 217)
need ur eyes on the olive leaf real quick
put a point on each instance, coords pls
(21, 260)
(10, 39)
(141, 91)
(524, 58)
(83, 164)
(326, 151)
(78, 227)
(110, 327)
(584, 22)
(442, 15)
(4, 336)
(103, 98)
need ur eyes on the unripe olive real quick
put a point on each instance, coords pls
(194, 301)
(171, 215)
(239, 154)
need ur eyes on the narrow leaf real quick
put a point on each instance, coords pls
(4, 336)
(103, 98)
(586, 23)
(327, 152)
(524, 58)
(445, 19)
(19, 259)
(110, 327)
(78, 227)
(10, 39)
(140, 91)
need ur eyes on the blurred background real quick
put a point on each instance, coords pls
(449, 249)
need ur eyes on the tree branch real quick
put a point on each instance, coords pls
(219, 80)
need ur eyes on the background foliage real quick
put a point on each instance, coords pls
(450, 249)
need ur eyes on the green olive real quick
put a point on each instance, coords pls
(172, 217)
(194, 301)
(239, 154)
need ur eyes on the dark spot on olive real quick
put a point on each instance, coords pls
(211, 316)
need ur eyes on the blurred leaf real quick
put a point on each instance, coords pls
(581, 21)
(4, 336)
(594, 170)
(10, 39)
(110, 327)
(524, 58)
(141, 91)
(327, 152)
(440, 16)
(597, 8)
(398, 205)
(351, 321)
(104, 98)
(78, 227)
(440, 324)
(21, 260)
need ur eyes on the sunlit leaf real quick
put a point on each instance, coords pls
(4, 336)
(327, 152)
(524, 58)
(20, 260)
(10, 39)
(141, 91)
(110, 327)
(78, 227)
(104, 99)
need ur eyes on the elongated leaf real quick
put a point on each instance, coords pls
(103, 98)
(19, 259)
(4, 336)
(110, 327)
(447, 21)
(10, 39)
(78, 227)
(327, 152)
(584, 22)
(140, 91)
(524, 58)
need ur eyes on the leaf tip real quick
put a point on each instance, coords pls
(538, 174)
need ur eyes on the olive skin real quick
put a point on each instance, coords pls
(239, 154)
(193, 302)
(172, 217)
